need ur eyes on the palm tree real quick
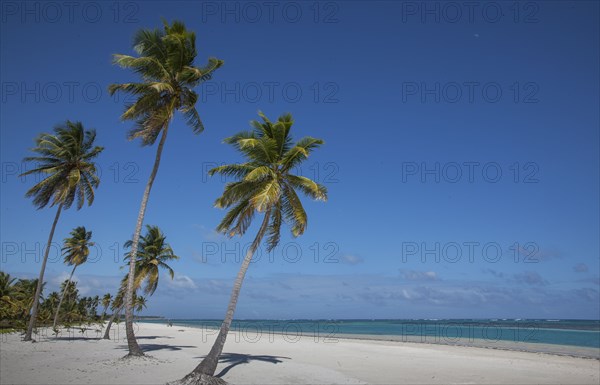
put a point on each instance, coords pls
(166, 65)
(139, 303)
(6, 284)
(106, 300)
(116, 307)
(66, 159)
(76, 251)
(154, 253)
(265, 185)
(8, 304)
(25, 293)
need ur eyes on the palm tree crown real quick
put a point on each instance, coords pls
(66, 158)
(153, 254)
(76, 248)
(265, 182)
(166, 65)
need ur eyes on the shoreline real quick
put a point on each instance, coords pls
(517, 346)
(83, 358)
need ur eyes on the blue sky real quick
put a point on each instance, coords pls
(461, 156)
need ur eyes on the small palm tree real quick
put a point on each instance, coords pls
(76, 250)
(266, 186)
(139, 303)
(106, 301)
(153, 254)
(66, 159)
(166, 65)
(116, 307)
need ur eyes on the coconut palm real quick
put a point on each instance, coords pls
(6, 284)
(8, 304)
(154, 253)
(116, 307)
(106, 301)
(65, 158)
(165, 63)
(266, 186)
(25, 293)
(139, 303)
(76, 250)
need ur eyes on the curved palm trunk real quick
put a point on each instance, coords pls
(38, 290)
(134, 348)
(110, 322)
(62, 298)
(209, 364)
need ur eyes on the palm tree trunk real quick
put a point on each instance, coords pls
(110, 322)
(62, 297)
(134, 348)
(209, 364)
(38, 290)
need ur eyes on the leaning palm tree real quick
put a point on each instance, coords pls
(76, 251)
(116, 307)
(166, 66)
(66, 159)
(266, 186)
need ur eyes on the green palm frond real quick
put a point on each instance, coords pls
(293, 211)
(300, 152)
(233, 170)
(309, 187)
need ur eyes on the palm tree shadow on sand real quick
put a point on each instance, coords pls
(235, 359)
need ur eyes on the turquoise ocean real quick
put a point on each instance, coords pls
(477, 332)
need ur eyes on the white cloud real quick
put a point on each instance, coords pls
(351, 259)
(182, 282)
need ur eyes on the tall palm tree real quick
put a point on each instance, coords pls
(106, 301)
(76, 250)
(165, 63)
(266, 186)
(66, 161)
(153, 254)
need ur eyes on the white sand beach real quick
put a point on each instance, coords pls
(276, 359)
